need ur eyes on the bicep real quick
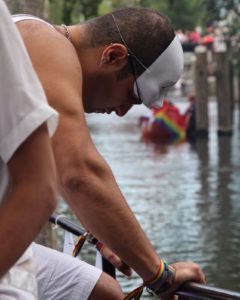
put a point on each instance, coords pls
(33, 160)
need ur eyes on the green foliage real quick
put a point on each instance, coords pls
(185, 14)
(216, 10)
(158, 5)
(124, 3)
(55, 11)
(89, 8)
(67, 11)
(226, 12)
(70, 11)
(105, 7)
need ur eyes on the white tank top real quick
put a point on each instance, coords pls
(24, 17)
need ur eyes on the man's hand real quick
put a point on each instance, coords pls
(185, 272)
(115, 260)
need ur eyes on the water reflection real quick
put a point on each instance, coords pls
(186, 196)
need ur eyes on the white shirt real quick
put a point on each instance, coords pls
(23, 105)
(23, 108)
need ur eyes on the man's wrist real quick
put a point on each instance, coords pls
(163, 281)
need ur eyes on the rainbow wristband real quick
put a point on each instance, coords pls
(164, 281)
(157, 276)
(160, 283)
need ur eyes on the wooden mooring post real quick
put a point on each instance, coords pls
(224, 93)
(201, 91)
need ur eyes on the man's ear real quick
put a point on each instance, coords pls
(115, 54)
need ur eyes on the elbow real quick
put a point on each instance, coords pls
(82, 176)
(75, 180)
(52, 200)
(48, 199)
(73, 183)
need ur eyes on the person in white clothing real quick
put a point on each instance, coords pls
(27, 167)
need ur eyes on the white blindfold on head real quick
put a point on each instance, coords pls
(163, 73)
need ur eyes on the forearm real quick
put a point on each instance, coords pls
(22, 215)
(31, 197)
(99, 204)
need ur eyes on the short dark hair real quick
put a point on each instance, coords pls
(146, 32)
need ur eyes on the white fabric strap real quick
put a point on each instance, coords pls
(25, 17)
(68, 244)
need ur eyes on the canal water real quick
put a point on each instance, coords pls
(186, 196)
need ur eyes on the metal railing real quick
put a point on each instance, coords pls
(204, 292)
(77, 230)
(192, 291)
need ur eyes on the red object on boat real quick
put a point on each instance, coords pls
(166, 125)
(208, 39)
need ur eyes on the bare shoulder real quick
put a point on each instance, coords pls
(55, 61)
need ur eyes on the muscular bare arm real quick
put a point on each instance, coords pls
(85, 179)
(31, 199)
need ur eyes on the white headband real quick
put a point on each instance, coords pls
(163, 73)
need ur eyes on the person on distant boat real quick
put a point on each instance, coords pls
(166, 126)
(27, 170)
(107, 64)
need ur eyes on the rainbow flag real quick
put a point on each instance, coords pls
(169, 126)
